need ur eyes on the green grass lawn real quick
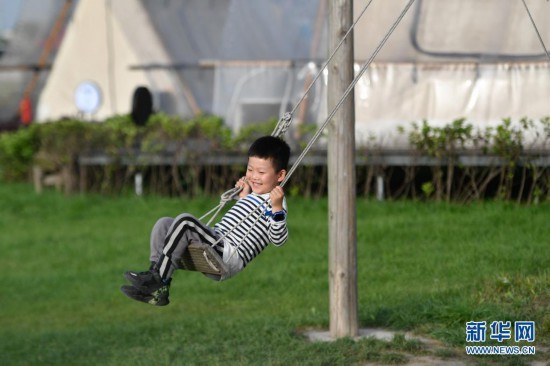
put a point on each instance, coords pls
(422, 267)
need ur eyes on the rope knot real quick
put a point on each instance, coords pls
(282, 125)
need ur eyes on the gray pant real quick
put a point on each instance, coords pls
(171, 236)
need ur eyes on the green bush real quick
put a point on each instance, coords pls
(17, 150)
(506, 141)
(251, 132)
(163, 131)
(58, 144)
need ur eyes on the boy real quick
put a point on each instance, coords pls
(267, 166)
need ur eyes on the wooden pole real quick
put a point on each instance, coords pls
(341, 167)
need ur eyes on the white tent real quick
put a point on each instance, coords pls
(103, 39)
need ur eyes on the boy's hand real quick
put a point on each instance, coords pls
(277, 195)
(245, 186)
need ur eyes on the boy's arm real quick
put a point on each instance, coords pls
(278, 231)
(277, 195)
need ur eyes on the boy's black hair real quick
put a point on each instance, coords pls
(270, 147)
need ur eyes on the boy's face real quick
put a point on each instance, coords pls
(261, 175)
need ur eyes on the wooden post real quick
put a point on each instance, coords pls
(341, 167)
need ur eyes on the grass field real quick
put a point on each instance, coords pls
(422, 267)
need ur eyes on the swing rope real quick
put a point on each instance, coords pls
(284, 123)
(536, 30)
(320, 72)
(286, 120)
(224, 198)
(364, 68)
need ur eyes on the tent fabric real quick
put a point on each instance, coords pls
(483, 94)
(199, 33)
(454, 31)
(489, 29)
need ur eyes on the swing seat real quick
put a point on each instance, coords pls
(203, 258)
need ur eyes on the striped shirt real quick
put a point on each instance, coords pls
(251, 237)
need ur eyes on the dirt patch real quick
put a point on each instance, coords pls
(431, 351)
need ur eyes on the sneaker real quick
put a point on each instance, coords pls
(158, 297)
(147, 282)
